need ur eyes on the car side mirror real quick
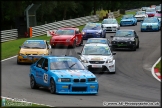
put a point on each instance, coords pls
(101, 26)
(110, 45)
(114, 53)
(19, 46)
(79, 53)
(49, 46)
(46, 68)
(111, 36)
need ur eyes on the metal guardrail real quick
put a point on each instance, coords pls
(7, 35)
(42, 30)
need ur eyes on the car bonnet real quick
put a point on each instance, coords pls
(73, 73)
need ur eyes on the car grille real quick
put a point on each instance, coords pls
(149, 27)
(122, 42)
(79, 89)
(31, 54)
(79, 80)
(96, 62)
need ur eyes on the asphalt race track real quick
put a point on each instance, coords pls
(133, 81)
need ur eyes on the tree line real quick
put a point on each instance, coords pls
(51, 11)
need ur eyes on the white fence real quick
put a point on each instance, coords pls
(7, 35)
(42, 30)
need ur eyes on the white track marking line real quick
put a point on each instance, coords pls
(28, 102)
(8, 58)
(152, 70)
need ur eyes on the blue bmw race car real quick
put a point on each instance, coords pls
(150, 24)
(62, 75)
(93, 30)
(128, 20)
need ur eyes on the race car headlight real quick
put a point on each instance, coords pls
(64, 80)
(92, 80)
(21, 54)
(132, 39)
(83, 33)
(84, 61)
(109, 61)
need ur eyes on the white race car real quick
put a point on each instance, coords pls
(140, 15)
(110, 25)
(98, 56)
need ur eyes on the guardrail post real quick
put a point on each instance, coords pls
(30, 32)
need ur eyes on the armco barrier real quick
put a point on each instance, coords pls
(7, 35)
(42, 30)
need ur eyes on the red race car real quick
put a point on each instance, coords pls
(67, 37)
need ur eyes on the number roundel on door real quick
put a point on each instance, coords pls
(45, 78)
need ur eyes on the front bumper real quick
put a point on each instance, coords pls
(111, 29)
(91, 35)
(61, 43)
(140, 18)
(149, 29)
(77, 88)
(124, 23)
(27, 59)
(106, 67)
(123, 44)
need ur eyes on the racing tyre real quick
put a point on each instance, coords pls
(33, 84)
(137, 45)
(81, 43)
(134, 48)
(18, 62)
(74, 44)
(52, 86)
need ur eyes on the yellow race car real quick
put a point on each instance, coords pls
(32, 50)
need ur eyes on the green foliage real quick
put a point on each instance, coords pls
(53, 10)
(159, 66)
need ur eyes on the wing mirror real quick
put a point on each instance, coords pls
(110, 45)
(79, 53)
(114, 53)
(49, 46)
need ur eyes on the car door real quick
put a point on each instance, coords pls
(136, 38)
(38, 69)
(44, 73)
(49, 48)
(78, 36)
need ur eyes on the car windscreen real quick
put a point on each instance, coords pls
(108, 21)
(96, 50)
(140, 13)
(127, 16)
(65, 64)
(65, 32)
(124, 33)
(150, 20)
(93, 26)
(150, 10)
(34, 45)
(97, 41)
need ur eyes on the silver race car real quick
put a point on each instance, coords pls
(98, 56)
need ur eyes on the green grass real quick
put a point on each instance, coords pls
(12, 103)
(11, 48)
(159, 66)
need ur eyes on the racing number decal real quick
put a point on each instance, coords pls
(45, 78)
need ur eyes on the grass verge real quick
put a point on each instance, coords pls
(159, 66)
(11, 48)
(13, 103)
